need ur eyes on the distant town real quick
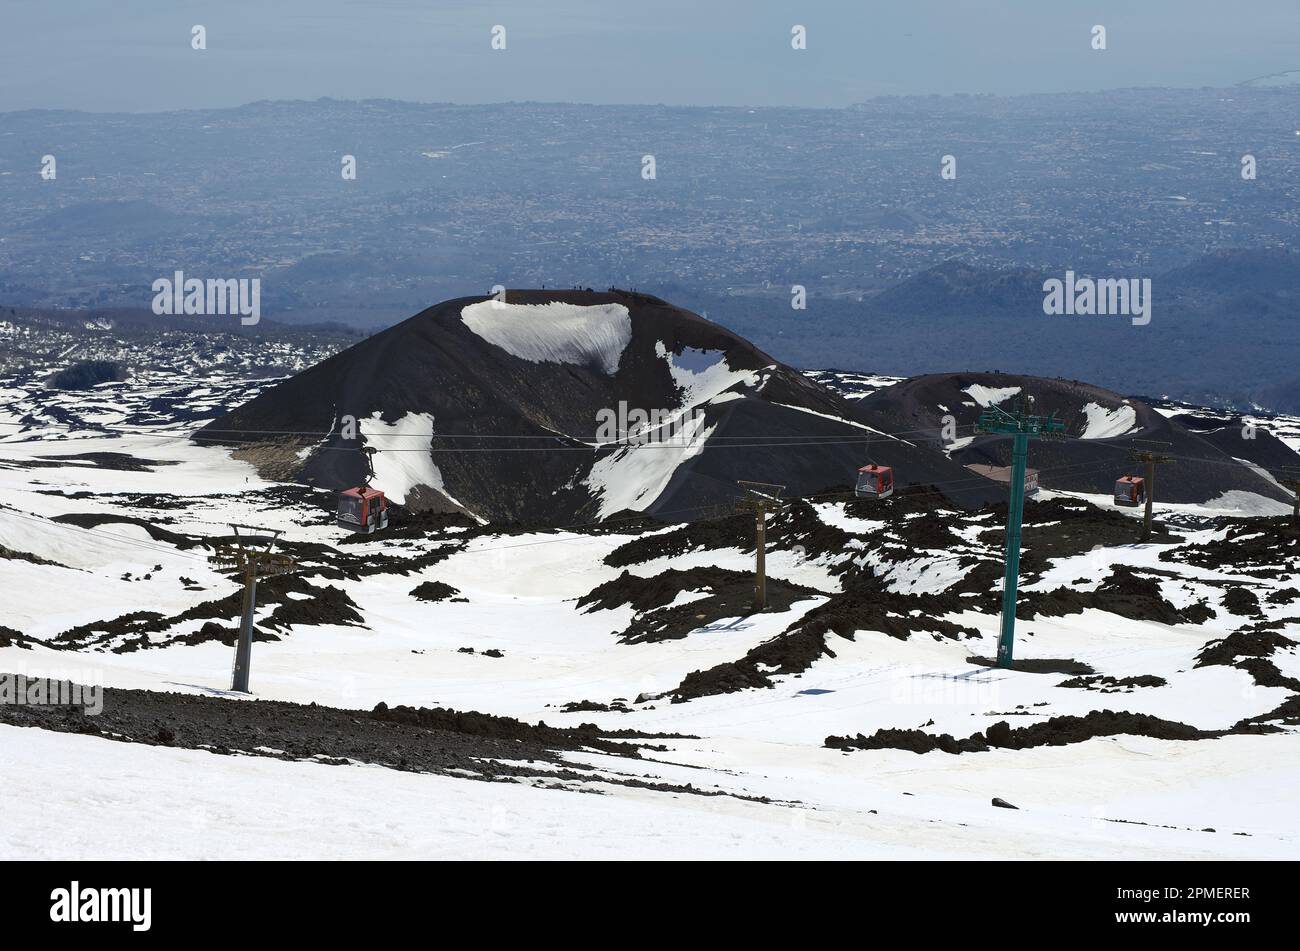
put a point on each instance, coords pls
(743, 206)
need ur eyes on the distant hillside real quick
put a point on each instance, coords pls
(134, 218)
(847, 203)
(1283, 398)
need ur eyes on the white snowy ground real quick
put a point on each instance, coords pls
(69, 796)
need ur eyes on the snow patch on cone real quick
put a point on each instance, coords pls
(593, 336)
(399, 466)
(1107, 423)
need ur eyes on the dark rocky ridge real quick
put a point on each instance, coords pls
(1056, 731)
(780, 427)
(1205, 466)
(466, 744)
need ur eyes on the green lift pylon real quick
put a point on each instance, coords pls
(1021, 427)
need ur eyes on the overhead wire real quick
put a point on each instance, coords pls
(765, 441)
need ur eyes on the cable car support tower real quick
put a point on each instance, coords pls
(760, 498)
(249, 555)
(1021, 427)
(1149, 455)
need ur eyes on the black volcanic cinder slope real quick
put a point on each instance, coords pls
(1243, 438)
(1205, 464)
(513, 434)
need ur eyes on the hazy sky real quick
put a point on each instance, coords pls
(135, 55)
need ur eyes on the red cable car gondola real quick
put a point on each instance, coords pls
(875, 482)
(362, 508)
(1131, 490)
